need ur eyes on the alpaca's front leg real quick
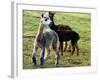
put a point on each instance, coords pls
(42, 56)
(34, 55)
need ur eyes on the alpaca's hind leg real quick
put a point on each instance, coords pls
(57, 55)
(73, 49)
(69, 46)
(77, 49)
(42, 56)
(47, 52)
(73, 46)
(65, 46)
(61, 48)
(34, 55)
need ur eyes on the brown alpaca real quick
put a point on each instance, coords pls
(59, 27)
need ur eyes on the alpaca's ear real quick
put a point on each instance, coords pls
(42, 15)
(49, 12)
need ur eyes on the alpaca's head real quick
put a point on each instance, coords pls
(51, 14)
(45, 20)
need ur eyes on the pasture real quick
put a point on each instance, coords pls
(80, 22)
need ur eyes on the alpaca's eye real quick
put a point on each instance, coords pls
(46, 19)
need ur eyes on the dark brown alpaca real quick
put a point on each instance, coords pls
(65, 34)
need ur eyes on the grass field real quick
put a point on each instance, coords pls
(80, 22)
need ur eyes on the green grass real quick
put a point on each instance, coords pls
(80, 22)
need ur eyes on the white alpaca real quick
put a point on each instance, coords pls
(45, 38)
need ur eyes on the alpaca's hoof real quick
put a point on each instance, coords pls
(77, 54)
(34, 61)
(56, 65)
(41, 66)
(68, 50)
(72, 54)
(64, 50)
(61, 54)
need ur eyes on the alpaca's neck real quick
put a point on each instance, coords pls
(41, 27)
(40, 31)
(52, 24)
